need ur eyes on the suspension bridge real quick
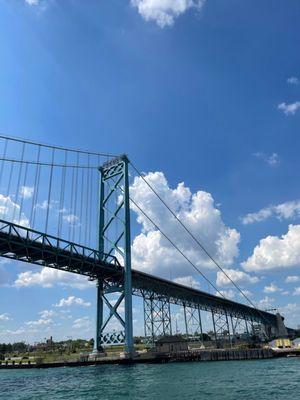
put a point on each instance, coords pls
(70, 210)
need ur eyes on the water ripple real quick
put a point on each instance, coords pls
(248, 380)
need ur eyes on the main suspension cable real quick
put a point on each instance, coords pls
(15, 139)
(192, 235)
(13, 160)
(176, 247)
(172, 243)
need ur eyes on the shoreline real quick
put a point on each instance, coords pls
(186, 356)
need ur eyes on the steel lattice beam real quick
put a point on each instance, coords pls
(157, 318)
(35, 247)
(193, 323)
(114, 237)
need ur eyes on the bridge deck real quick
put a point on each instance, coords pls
(34, 247)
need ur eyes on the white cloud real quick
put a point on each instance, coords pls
(10, 211)
(49, 277)
(228, 294)
(46, 314)
(32, 2)
(72, 300)
(265, 303)
(291, 313)
(271, 159)
(187, 281)
(44, 205)
(292, 279)
(71, 219)
(5, 317)
(258, 216)
(289, 109)
(26, 192)
(247, 293)
(40, 322)
(272, 288)
(287, 210)
(17, 332)
(275, 252)
(289, 308)
(238, 277)
(293, 80)
(82, 323)
(152, 253)
(297, 291)
(39, 6)
(164, 12)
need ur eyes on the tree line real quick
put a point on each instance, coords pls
(19, 347)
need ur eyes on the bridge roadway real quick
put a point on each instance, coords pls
(27, 245)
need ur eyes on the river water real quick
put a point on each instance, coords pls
(255, 379)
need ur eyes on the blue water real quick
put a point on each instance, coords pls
(259, 380)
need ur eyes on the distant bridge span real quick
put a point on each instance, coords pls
(30, 246)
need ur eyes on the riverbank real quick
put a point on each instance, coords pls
(154, 358)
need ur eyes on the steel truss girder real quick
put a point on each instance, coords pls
(189, 297)
(27, 245)
(31, 246)
(157, 318)
(183, 302)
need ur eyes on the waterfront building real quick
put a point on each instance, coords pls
(171, 344)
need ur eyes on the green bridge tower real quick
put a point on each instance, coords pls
(114, 239)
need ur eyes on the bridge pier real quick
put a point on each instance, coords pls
(99, 318)
(157, 318)
(193, 323)
(221, 326)
(241, 322)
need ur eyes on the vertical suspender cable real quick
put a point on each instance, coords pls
(87, 201)
(71, 206)
(98, 185)
(62, 196)
(74, 219)
(18, 183)
(49, 191)
(81, 204)
(8, 187)
(2, 164)
(35, 190)
(24, 188)
(91, 205)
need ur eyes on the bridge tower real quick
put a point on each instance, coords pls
(114, 239)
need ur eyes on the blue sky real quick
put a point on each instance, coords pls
(207, 94)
